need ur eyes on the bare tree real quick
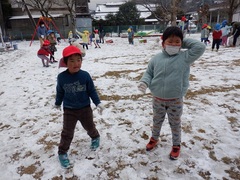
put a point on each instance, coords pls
(164, 10)
(43, 6)
(203, 13)
(233, 6)
(70, 4)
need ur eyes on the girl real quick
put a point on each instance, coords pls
(44, 52)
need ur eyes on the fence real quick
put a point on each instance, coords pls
(26, 34)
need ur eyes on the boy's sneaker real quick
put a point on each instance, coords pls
(174, 154)
(64, 161)
(95, 143)
(152, 143)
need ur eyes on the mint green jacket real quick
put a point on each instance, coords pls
(168, 76)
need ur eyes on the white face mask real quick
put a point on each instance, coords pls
(172, 50)
(42, 25)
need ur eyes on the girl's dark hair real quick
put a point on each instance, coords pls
(65, 59)
(172, 31)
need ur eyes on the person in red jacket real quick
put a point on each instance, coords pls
(217, 37)
(44, 52)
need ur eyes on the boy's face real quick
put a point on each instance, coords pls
(172, 41)
(74, 63)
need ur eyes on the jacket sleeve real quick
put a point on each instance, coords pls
(148, 74)
(78, 32)
(59, 93)
(92, 91)
(195, 49)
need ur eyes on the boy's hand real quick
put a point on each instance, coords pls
(142, 87)
(100, 108)
(57, 107)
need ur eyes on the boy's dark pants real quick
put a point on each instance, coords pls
(216, 42)
(70, 119)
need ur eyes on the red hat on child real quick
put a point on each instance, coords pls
(46, 43)
(70, 50)
(183, 18)
(204, 25)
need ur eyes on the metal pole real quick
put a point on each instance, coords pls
(3, 44)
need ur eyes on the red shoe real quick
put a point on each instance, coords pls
(152, 143)
(174, 154)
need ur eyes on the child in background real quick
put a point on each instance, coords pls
(85, 38)
(42, 32)
(57, 35)
(52, 39)
(208, 34)
(183, 25)
(167, 77)
(75, 88)
(217, 35)
(204, 33)
(130, 35)
(91, 38)
(225, 32)
(97, 39)
(44, 52)
(101, 36)
(70, 36)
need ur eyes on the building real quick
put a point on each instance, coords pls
(21, 26)
(102, 10)
(83, 17)
(236, 16)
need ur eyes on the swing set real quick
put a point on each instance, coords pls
(47, 22)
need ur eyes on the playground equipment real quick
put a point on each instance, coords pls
(47, 21)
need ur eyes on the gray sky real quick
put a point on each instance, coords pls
(92, 4)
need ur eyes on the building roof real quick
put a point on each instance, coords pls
(34, 16)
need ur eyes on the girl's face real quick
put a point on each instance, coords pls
(74, 63)
(172, 41)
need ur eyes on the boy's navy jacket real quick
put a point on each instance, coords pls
(75, 90)
(168, 76)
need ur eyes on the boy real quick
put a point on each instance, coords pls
(217, 37)
(167, 76)
(52, 39)
(74, 88)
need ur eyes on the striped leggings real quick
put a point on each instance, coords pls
(173, 108)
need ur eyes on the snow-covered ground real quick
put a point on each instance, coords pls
(30, 127)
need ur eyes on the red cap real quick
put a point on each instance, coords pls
(46, 43)
(204, 25)
(70, 50)
(183, 18)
